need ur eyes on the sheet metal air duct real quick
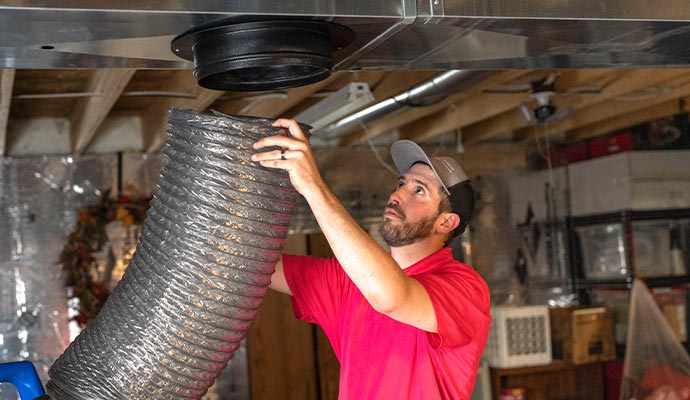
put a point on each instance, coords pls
(388, 34)
(209, 245)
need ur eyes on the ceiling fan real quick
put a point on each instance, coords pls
(542, 90)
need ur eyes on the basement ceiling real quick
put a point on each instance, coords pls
(78, 75)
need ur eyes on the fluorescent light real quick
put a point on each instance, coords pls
(344, 101)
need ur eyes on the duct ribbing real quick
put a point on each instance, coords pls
(209, 245)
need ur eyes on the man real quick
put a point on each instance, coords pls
(409, 324)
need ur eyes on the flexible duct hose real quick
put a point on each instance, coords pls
(209, 245)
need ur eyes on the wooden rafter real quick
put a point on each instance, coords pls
(155, 124)
(596, 113)
(624, 82)
(455, 117)
(661, 110)
(270, 107)
(90, 112)
(513, 120)
(6, 84)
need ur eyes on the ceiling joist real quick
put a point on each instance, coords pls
(651, 113)
(6, 84)
(274, 107)
(597, 101)
(621, 83)
(90, 112)
(676, 88)
(155, 125)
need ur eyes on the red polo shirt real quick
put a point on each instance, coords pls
(382, 358)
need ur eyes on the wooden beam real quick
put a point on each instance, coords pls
(488, 105)
(6, 84)
(622, 83)
(661, 110)
(155, 123)
(455, 117)
(90, 112)
(396, 120)
(595, 113)
(277, 107)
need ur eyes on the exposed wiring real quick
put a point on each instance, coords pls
(375, 150)
(442, 144)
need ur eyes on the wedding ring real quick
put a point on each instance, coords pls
(282, 154)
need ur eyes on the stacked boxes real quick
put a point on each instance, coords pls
(582, 335)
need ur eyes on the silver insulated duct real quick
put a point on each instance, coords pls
(207, 251)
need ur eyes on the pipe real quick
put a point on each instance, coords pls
(422, 94)
(208, 248)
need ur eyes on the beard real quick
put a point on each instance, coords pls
(405, 233)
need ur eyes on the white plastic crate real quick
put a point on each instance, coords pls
(519, 336)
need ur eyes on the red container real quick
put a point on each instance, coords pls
(613, 378)
(618, 143)
(569, 154)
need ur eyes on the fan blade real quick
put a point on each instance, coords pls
(550, 79)
(582, 90)
(508, 88)
(527, 113)
(559, 115)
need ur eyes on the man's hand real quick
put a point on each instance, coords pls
(295, 157)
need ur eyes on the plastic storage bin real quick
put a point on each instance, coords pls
(519, 337)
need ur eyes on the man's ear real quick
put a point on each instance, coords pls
(449, 221)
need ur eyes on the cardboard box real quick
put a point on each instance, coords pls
(582, 335)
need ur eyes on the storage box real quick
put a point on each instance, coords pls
(519, 336)
(638, 180)
(582, 335)
(601, 253)
(616, 143)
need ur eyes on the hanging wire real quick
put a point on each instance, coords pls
(373, 148)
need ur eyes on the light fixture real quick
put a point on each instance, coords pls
(342, 102)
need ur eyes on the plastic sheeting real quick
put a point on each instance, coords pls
(657, 366)
(214, 231)
(38, 200)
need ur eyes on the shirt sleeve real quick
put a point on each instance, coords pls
(316, 286)
(462, 306)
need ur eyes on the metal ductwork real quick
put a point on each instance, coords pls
(425, 93)
(208, 248)
(267, 54)
(388, 34)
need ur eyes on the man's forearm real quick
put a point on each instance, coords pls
(371, 268)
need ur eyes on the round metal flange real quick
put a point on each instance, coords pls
(262, 55)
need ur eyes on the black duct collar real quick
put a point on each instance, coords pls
(261, 55)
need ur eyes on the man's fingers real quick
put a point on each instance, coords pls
(276, 140)
(270, 156)
(292, 126)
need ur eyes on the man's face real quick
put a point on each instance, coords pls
(412, 209)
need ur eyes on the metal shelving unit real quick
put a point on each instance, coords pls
(608, 251)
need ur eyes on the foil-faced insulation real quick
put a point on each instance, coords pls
(39, 197)
(207, 251)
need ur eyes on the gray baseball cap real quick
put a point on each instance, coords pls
(453, 178)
